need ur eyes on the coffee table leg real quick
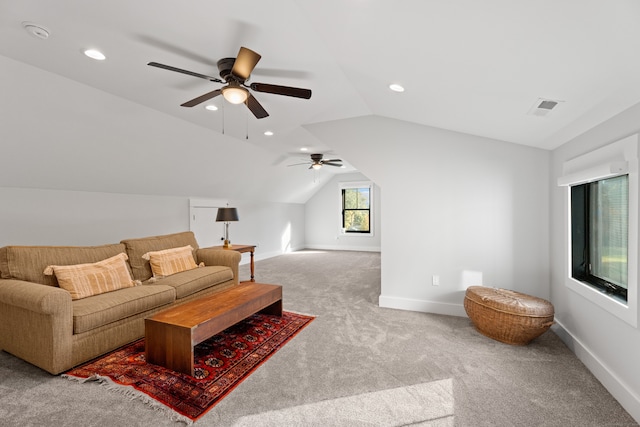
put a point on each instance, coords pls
(274, 309)
(169, 346)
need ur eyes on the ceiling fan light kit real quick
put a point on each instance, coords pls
(235, 94)
(235, 72)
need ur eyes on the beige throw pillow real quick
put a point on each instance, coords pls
(85, 280)
(170, 261)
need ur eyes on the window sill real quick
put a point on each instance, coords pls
(624, 311)
(356, 234)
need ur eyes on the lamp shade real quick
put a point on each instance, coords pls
(235, 94)
(227, 215)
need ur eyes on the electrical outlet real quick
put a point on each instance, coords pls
(435, 280)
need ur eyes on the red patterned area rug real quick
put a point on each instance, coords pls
(221, 363)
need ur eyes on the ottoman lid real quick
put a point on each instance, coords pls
(510, 301)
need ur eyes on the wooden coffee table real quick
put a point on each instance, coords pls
(171, 335)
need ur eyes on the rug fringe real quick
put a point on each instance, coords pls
(132, 394)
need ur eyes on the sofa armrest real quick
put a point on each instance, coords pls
(213, 256)
(34, 297)
(36, 323)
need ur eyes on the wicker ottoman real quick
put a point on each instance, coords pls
(507, 316)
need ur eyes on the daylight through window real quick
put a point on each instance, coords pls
(356, 210)
(599, 234)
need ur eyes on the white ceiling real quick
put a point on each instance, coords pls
(471, 66)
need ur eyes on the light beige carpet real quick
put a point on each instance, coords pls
(425, 404)
(352, 350)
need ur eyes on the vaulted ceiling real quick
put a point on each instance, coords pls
(471, 66)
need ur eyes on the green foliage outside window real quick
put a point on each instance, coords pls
(599, 234)
(356, 210)
(609, 205)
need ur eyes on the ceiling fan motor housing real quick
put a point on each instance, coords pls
(225, 65)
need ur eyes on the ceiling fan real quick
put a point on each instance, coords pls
(317, 162)
(235, 72)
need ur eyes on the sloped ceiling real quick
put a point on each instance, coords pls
(468, 66)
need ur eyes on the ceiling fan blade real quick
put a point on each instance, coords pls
(245, 63)
(282, 90)
(180, 70)
(202, 98)
(256, 108)
(332, 164)
(282, 73)
(331, 160)
(298, 164)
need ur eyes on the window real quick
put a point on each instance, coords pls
(599, 234)
(601, 214)
(356, 208)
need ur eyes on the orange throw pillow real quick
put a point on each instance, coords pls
(85, 280)
(171, 261)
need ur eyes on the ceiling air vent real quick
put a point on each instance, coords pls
(542, 107)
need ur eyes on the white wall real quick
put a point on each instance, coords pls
(607, 345)
(276, 228)
(61, 217)
(467, 209)
(59, 134)
(323, 216)
(58, 217)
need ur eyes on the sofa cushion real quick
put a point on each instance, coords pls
(85, 280)
(191, 281)
(171, 261)
(100, 310)
(29, 262)
(136, 248)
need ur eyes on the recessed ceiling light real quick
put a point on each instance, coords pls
(396, 87)
(211, 107)
(304, 149)
(95, 54)
(268, 133)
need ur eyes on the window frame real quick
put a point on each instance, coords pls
(615, 159)
(354, 185)
(582, 249)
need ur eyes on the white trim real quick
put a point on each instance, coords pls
(607, 170)
(207, 203)
(344, 248)
(589, 167)
(614, 384)
(422, 306)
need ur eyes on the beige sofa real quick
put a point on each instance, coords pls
(41, 324)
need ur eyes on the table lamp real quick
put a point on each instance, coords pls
(227, 215)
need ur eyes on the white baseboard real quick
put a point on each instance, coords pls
(629, 400)
(343, 248)
(259, 255)
(422, 306)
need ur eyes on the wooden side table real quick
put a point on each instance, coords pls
(242, 249)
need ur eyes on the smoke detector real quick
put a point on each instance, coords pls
(543, 106)
(36, 30)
